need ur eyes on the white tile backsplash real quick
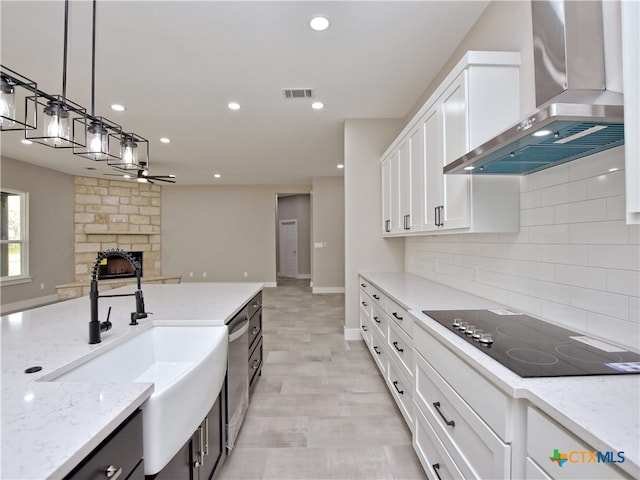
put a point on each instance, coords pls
(574, 261)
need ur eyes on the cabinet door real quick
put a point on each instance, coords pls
(385, 176)
(404, 186)
(455, 134)
(432, 122)
(396, 223)
(417, 181)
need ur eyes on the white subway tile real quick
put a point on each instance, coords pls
(610, 304)
(537, 216)
(564, 315)
(530, 199)
(564, 193)
(505, 282)
(634, 234)
(551, 176)
(634, 310)
(625, 282)
(535, 270)
(610, 232)
(598, 164)
(549, 234)
(606, 185)
(495, 250)
(616, 208)
(587, 277)
(550, 291)
(524, 252)
(620, 332)
(524, 303)
(623, 257)
(585, 211)
(565, 254)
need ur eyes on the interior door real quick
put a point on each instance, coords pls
(288, 237)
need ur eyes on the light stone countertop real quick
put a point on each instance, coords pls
(49, 427)
(602, 410)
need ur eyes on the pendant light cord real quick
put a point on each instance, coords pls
(93, 62)
(64, 55)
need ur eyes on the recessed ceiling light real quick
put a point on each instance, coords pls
(118, 108)
(26, 142)
(165, 140)
(340, 165)
(470, 167)
(233, 106)
(126, 176)
(614, 169)
(319, 23)
(317, 105)
(216, 175)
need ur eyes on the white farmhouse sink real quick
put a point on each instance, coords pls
(186, 364)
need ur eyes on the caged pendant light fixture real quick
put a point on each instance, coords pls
(14, 88)
(134, 153)
(96, 138)
(57, 112)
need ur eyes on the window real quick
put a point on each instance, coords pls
(13, 235)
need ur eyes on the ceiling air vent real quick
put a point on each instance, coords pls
(298, 92)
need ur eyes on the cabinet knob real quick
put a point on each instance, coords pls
(113, 472)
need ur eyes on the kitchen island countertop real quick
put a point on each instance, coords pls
(49, 427)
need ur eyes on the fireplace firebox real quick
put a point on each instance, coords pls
(118, 267)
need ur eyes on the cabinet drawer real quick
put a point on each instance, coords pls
(402, 390)
(255, 329)
(379, 353)
(365, 329)
(477, 450)
(365, 304)
(254, 304)
(492, 405)
(379, 321)
(255, 363)
(400, 348)
(534, 472)
(120, 450)
(365, 286)
(545, 436)
(378, 298)
(400, 316)
(432, 455)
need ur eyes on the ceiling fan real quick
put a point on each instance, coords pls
(142, 175)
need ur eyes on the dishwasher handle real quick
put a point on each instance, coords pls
(237, 328)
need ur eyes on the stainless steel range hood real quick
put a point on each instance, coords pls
(576, 115)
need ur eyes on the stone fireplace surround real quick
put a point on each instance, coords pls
(115, 214)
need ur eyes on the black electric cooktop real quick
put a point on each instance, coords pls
(533, 348)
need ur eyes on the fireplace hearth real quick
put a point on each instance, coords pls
(118, 267)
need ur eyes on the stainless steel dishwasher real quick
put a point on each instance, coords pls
(237, 374)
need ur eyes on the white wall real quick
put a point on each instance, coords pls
(574, 262)
(365, 250)
(328, 227)
(51, 234)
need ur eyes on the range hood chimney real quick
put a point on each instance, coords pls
(576, 115)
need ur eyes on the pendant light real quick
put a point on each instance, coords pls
(134, 153)
(98, 137)
(14, 88)
(58, 111)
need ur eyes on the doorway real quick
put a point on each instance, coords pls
(288, 234)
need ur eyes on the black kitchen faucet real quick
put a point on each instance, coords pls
(95, 325)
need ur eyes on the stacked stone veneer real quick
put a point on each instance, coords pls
(116, 214)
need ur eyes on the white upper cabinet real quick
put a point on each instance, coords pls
(477, 100)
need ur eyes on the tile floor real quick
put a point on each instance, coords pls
(321, 409)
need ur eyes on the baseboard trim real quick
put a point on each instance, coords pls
(351, 334)
(270, 284)
(303, 275)
(27, 304)
(321, 290)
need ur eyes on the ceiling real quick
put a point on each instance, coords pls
(175, 65)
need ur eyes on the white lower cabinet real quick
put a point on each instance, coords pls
(434, 458)
(402, 390)
(546, 439)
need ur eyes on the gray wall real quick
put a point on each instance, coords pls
(222, 231)
(328, 226)
(364, 143)
(51, 230)
(297, 207)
